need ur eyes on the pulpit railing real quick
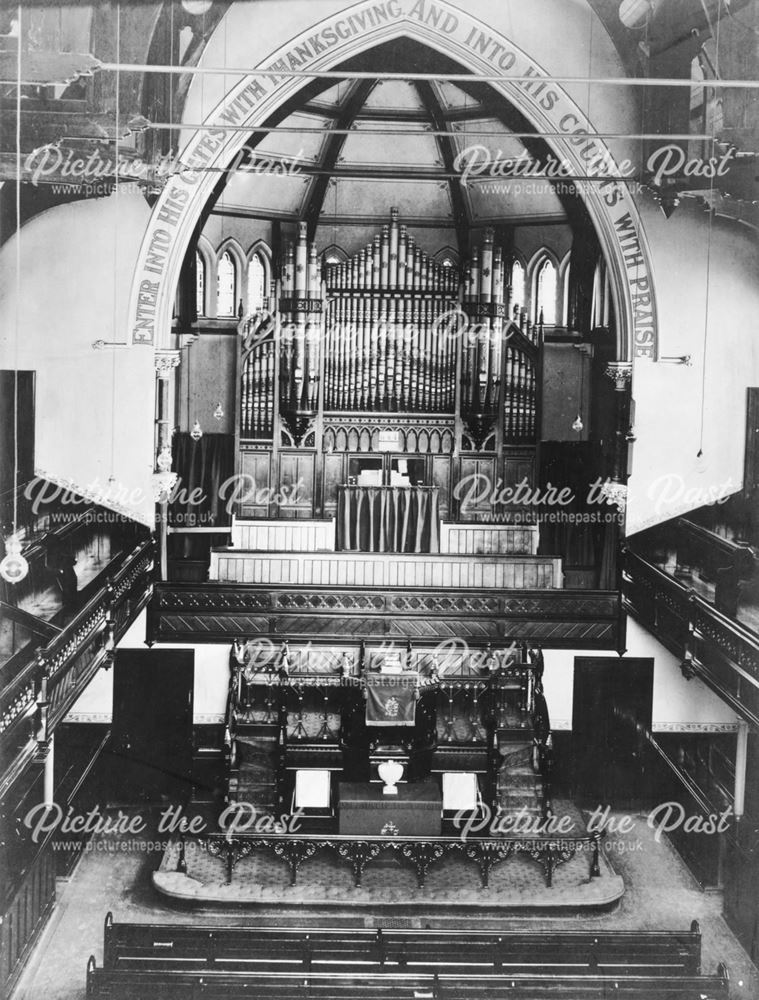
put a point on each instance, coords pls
(421, 853)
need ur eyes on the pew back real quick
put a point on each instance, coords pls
(159, 947)
(130, 984)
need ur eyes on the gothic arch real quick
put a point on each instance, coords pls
(254, 99)
(208, 256)
(532, 276)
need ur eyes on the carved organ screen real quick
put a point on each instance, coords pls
(389, 351)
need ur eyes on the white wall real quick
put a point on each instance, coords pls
(210, 688)
(708, 303)
(678, 705)
(94, 409)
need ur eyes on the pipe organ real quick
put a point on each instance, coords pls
(389, 313)
(390, 352)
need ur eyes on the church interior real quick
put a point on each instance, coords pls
(379, 488)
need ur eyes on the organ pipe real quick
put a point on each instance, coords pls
(392, 298)
(383, 320)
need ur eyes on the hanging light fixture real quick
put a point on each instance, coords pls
(218, 413)
(577, 424)
(197, 7)
(635, 13)
(197, 431)
(13, 567)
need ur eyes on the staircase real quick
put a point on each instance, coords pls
(253, 775)
(518, 789)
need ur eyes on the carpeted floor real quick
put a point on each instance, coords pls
(660, 893)
(453, 882)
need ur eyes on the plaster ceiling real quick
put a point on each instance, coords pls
(346, 155)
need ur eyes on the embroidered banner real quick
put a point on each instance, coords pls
(390, 700)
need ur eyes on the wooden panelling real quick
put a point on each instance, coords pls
(725, 653)
(255, 473)
(296, 484)
(488, 539)
(24, 916)
(284, 536)
(217, 612)
(349, 569)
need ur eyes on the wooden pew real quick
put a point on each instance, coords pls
(646, 953)
(179, 984)
(156, 946)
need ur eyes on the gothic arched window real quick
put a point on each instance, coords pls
(517, 285)
(545, 292)
(226, 286)
(256, 283)
(200, 284)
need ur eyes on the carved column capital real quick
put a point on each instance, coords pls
(615, 494)
(620, 372)
(165, 362)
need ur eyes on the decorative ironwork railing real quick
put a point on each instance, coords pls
(420, 852)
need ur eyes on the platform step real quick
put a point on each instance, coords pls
(255, 771)
(253, 746)
(518, 782)
(265, 732)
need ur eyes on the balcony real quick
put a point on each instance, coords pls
(89, 576)
(214, 612)
(723, 652)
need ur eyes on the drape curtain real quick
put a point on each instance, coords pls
(387, 519)
(582, 543)
(203, 466)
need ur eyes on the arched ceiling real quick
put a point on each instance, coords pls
(343, 154)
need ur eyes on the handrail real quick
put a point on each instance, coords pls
(37, 625)
(740, 630)
(48, 664)
(684, 778)
(691, 627)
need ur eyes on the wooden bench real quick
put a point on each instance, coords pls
(179, 984)
(156, 946)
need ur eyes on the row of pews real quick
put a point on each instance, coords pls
(169, 962)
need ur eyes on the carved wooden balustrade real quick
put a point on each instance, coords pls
(212, 612)
(38, 694)
(723, 653)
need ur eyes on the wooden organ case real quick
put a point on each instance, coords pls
(389, 369)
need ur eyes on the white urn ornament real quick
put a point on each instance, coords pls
(391, 773)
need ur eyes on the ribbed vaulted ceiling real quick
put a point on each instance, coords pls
(340, 157)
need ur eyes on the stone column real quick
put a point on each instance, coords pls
(741, 753)
(44, 749)
(163, 479)
(48, 750)
(620, 372)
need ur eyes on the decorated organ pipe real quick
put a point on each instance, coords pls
(301, 332)
(257, 378)
(389, 323)
(389, 349)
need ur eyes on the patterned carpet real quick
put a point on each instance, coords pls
(659, 894)
(515, 883)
